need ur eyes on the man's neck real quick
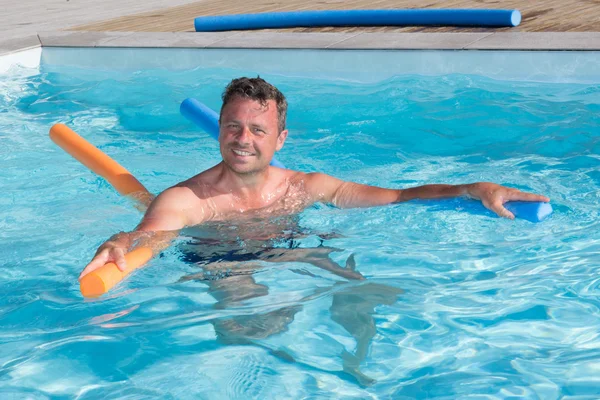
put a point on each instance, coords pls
(251, 186)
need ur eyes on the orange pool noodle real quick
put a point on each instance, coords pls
(104, 278)
(93, 158)
(101, 280)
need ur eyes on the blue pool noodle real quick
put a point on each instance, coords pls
(532, 211)
(397, 17)
(207, 119)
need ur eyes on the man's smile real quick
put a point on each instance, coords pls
(241, 153)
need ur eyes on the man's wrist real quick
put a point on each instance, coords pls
(121, 240)
(468, 190)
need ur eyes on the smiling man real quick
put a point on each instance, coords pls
(244, 186)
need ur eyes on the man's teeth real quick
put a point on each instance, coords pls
(242, 153)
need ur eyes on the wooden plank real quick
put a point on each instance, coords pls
(538, 15)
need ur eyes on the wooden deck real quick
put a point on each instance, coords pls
(538, 15)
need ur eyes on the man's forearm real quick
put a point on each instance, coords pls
(115, 248)
(435, 191)
(157, 241)
(121, 240)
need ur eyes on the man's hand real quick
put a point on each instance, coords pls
(494, 196)
(112, 251)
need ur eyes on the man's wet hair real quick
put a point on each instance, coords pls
(257, 89)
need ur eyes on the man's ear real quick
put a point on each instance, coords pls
(281, 139)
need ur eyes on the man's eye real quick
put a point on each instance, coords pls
(258, 130)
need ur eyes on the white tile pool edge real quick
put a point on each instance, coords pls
(308, 40)
(330, 40)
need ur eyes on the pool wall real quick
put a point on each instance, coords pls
(356, 65)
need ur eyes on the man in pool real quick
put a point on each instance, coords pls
(243, 186)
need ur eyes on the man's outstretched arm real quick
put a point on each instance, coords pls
(344, 194)
(166, 215)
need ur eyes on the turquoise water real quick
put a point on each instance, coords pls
(456, 303)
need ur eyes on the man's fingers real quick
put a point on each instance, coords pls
(96, 263)
(120, 259)
(104, 256)
(494, 196)
(522, 196)
(499, 209)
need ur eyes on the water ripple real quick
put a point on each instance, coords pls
(457, 303)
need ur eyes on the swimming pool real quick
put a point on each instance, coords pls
(456, 302)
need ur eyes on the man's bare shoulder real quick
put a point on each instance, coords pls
(207, 177)
(297, 176)
(170, 210)
(176, 196)
(188, 192)
(319, 186)
(186, 201)
(309, 179)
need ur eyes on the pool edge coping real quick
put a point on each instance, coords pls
(543, 41)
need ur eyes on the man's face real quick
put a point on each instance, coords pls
(249, 135)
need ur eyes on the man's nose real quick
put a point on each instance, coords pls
(244, 135)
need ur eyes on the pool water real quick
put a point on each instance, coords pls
(456, 302)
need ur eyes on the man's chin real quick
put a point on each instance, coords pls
(245, 169)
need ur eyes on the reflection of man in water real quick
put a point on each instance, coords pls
(228, 266)
(352, 306)
(243, 187)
